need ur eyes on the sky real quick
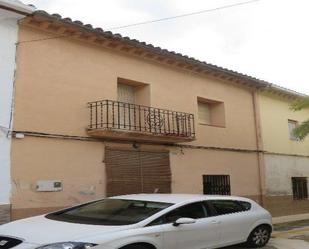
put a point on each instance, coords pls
(267, 39)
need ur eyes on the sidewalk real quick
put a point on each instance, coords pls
(290, 218)
(290, 232)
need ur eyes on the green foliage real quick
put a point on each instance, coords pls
(300, 104)
(302, 131)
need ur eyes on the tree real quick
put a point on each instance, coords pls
(302, 131)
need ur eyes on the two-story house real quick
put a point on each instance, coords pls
(286, 158)
(10, 13)
(97, 114)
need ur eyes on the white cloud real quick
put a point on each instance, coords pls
(266, 39)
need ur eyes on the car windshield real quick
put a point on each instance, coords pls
(110, 212)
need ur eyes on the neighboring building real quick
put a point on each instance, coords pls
(10, 13)
(286, 158)
(160, 121)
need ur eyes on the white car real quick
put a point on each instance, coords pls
(144, 221)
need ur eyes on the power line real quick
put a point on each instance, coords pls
(43, 39)
(184, 15)
(151, 21)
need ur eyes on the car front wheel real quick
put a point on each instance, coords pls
(259, 237)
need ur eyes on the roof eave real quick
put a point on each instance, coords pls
(252, 82)
(16, 7)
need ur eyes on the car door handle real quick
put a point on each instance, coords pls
(215, 222)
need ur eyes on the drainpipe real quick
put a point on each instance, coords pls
(259, 145)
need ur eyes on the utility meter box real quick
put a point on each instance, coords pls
(48, 186)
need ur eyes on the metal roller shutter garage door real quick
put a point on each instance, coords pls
(130, 172)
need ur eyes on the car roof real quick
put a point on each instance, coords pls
(176, 198)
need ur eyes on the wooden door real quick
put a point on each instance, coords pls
(132, 172)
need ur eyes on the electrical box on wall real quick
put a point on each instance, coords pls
(48, 186)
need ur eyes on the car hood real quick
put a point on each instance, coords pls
(40, 230)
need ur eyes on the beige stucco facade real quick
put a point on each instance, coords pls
(55, 80)
(74, 72)
(275, 113)
(284, 158)
(188, 166)
(80, 166)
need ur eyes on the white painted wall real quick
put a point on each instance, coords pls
(280, 170)
(8, 38)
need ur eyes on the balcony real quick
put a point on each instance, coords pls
(116, 120)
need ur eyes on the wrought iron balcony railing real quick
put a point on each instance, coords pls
(126, 117)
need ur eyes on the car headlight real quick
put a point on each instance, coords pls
(67, 245)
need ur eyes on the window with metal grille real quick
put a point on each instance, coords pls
(300, 188)
(216, 185)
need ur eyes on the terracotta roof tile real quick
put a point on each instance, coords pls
(257, 82)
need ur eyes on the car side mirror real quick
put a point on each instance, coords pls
(183, 221)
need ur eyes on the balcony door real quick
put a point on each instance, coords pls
(131, 172)
(126, 95)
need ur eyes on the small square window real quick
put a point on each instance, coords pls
(292, 125)
(204, 113)
(211, 112)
